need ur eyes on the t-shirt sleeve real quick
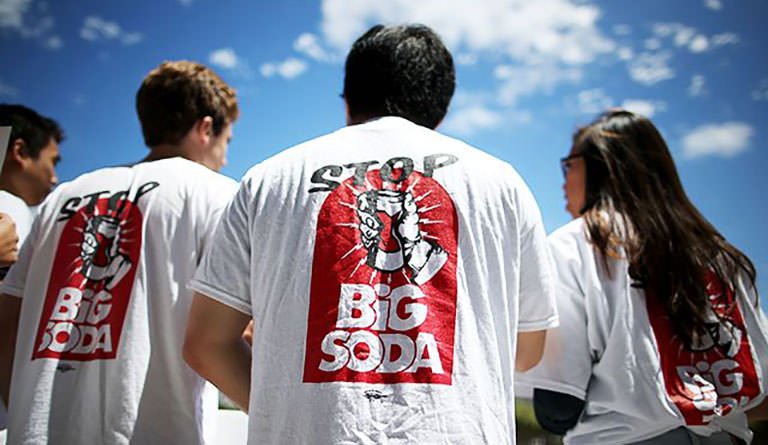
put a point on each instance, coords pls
(537, 308)
(224, 272)
(566, 366)
(13, 283)
(214, 199)
(20, 213)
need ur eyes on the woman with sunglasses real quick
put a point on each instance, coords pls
(662, 340)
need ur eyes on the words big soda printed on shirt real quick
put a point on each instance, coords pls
(715, 375)
(92, 276)
(383, 292)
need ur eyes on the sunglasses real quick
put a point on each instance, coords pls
(566, 163)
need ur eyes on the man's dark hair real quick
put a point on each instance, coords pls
(26, 124)
(401, 71)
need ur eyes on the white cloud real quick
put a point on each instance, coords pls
(517, 81)
(96, 29)
(468, 99)
(38, 25)
(680, 34)
(726, 38)
(227, 59)
(465, 59)
(561, 30)
(651, 68)
(536, 46)
(625, 53)
(593, 101)
(761, 91)
(714, 5)
(469, 120)
(699, 44)
(664, 29)
(287, 69)
(308, 43)
(7, 90)
(132, 38)
(683, 36)
(697, 87)
(652, 44)
(622, 30)
(647, 108)
(224, 58)
(53, 42)
(724, 140)
(12, 13)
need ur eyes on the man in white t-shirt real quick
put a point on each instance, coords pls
(99, 291)
(29, 169)
(396, 276)
(28, 172)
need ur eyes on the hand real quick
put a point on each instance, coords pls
(425, 258)
(9, 241)
(408, 231)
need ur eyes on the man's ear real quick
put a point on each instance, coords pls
(18, 152)
(204, 129)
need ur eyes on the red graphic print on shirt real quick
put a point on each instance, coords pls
(383, 292)
(718, 373)
(91, 280)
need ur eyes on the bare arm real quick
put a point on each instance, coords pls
(530, 348)
(759, 413)
(9, 321)
(215, 348)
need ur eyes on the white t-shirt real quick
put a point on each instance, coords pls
(401, 332)
(637, 379)
(22, 216)
(19, 211)
(103, 280)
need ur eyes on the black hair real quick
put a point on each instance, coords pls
(26, 124)
(401, 71)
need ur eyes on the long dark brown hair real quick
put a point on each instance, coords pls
(635, 204)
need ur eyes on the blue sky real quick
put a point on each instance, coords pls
(528, 71)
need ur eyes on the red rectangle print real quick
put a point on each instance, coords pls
(716, 374)
(383, 293)
(92, 277)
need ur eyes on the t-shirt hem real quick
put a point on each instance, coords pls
(13, 291)
(551, 322)
(220, 296)
(553, 386)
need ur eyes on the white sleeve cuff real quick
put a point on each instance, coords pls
(14, 291)
(221, 296)
(539, 325)
(565, 388)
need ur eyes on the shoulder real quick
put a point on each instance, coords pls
(570, 233)
(13, 206)
(189, 173)
(569, 242)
